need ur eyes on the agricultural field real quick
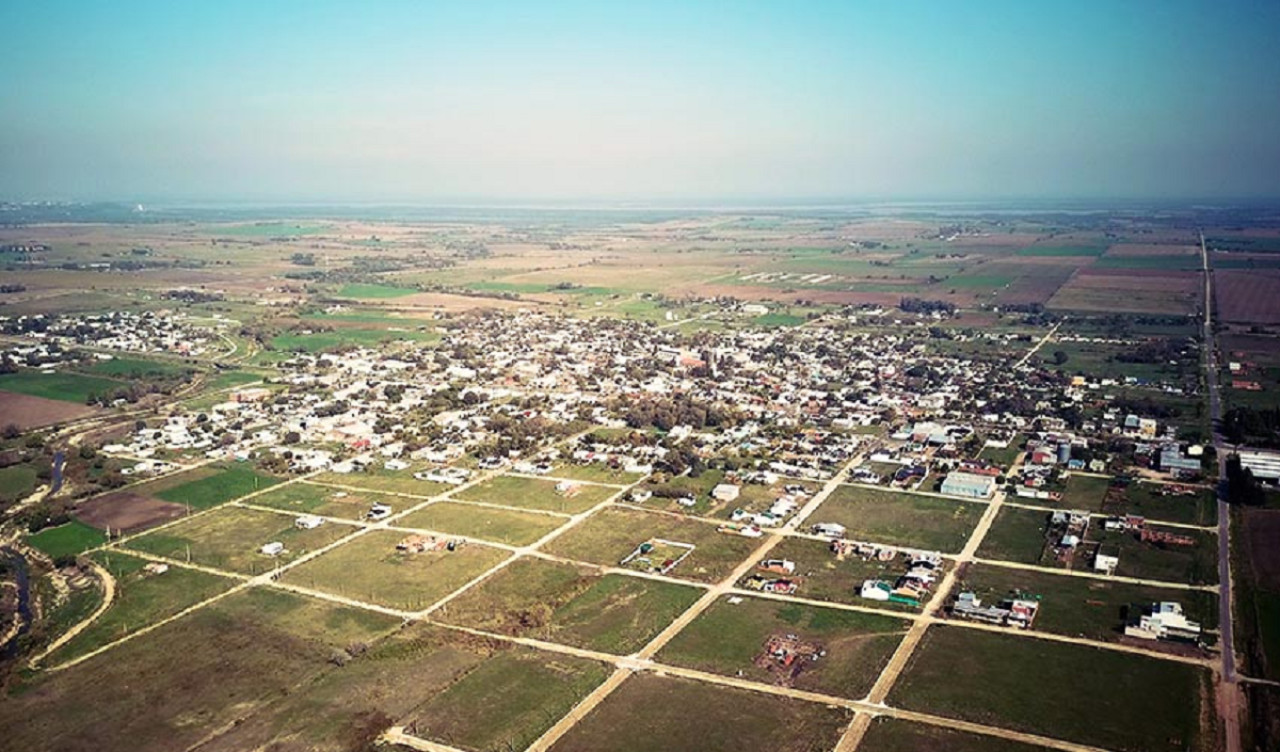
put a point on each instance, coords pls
(230, 539)
(26, 411)
(1247, 297)
(506, 526)
(902, 519)
(369, 568)
(69, 539)
(1134, 291)
(535, 493)
(1052, 688)
(60, 386)
(891, 735)
(834, 652)
(1257, 593)
(229, 483)
(678, 715)
(573, 605)
(610, 535)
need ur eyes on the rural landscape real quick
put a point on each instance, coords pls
(802, 480)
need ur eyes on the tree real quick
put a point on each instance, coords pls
(1060, 357)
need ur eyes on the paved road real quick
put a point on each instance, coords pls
(1230, 702)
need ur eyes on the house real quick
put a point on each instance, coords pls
(1105, 563)
(308, 522)
(274, 548)
(875, 590)
(726, 492)
(828, 530)
(969, 485)
(777, 566)
(378, 512)
(1164, 621)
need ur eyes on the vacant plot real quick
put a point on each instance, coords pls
(312, 619)
(142, 599)
(573, 605)
(308, 498)
(1248, 297)
(127, 512)
(382, 479)
(1080, 607)
(1054, 689)
(370, 568)
(231, 539)
(597, 472)
(17, 482)
(1063, 250)
(834, 652)
(533, 493)
(610, 535)
(1159, 501)
(498, 525)
(891, 735)
(64, 387)
(27, 411)
(231, 483)
(136, 368)
(1257, 576)
(67, 540)
(1016, 535)
(651, 712)
(1196, 563)
(903, 519)
(341, 339)
(507, 701)
(1084, 492)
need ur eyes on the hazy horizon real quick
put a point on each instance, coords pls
(500, 103)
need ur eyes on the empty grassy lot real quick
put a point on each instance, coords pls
(823, 577)
(312, 619)
(573, 605)
(891, 735)
(507, 701)
(141, 599)
(1144, 498)
(650, 712)
(67, 540)
(497, 525)
(17, 482)
(1080, 607)
(231, 483)
(230, 539)
(345, 338)
(309, 498)
(1195, 564)
(728, 637)
(1089, 695)
(136, 368)
(927, 522)
(382, 479)
(67, 387)
(596, 472)
(532, 493)
(370, 569)
(1084, 492)
(608, 536)
(1016, 535)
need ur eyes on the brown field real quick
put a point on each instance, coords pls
(1248, 296)
(127, 511)
(1130, 291)
(1152, 249)
(1262, 530)
(26, 411)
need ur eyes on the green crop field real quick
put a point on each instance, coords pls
(531, 493)
(231, 483)
(606, 537)
(903, 519)
(135, 368)
(650, 712)
(729, 638)
(1056, 689)
(1063, 250)
(66, 387)
(370, 568)
(67, 540)
(474, 521)
(345, 338)
(230, 538)
(141, 599)
(576, 606)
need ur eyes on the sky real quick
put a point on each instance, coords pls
(658, 102)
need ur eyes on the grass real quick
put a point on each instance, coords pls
(1141, 498)
(508, 701)
(309, 498)
(1085, 607)
(266, 230)
(370, 568)
(382, 479)
(576, 606)
(498, 525)
(1057, 689)
(362, 291)
(141, 600)
(727, 638)
(230, 539)
(313, 619)
(1016, 535)
(136, 368)
(892, 735)
(65, 387)
(344, 338)
(70, 539)
(229, 379)
(881, 516)
(595, 472)
(1063, 250)
(650, 712)
(606, 537)
(530, 493)
(1195, 564)
(17, 482)
(231, 483)
(1084, 492)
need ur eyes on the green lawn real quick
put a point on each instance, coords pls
(66, 387)
(67, 540)
(232, 483)
(728, 638)
(1016, 535)
(17, 482)
(1063, 250)
(1089, 695)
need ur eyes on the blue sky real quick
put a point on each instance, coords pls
(653, 101)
